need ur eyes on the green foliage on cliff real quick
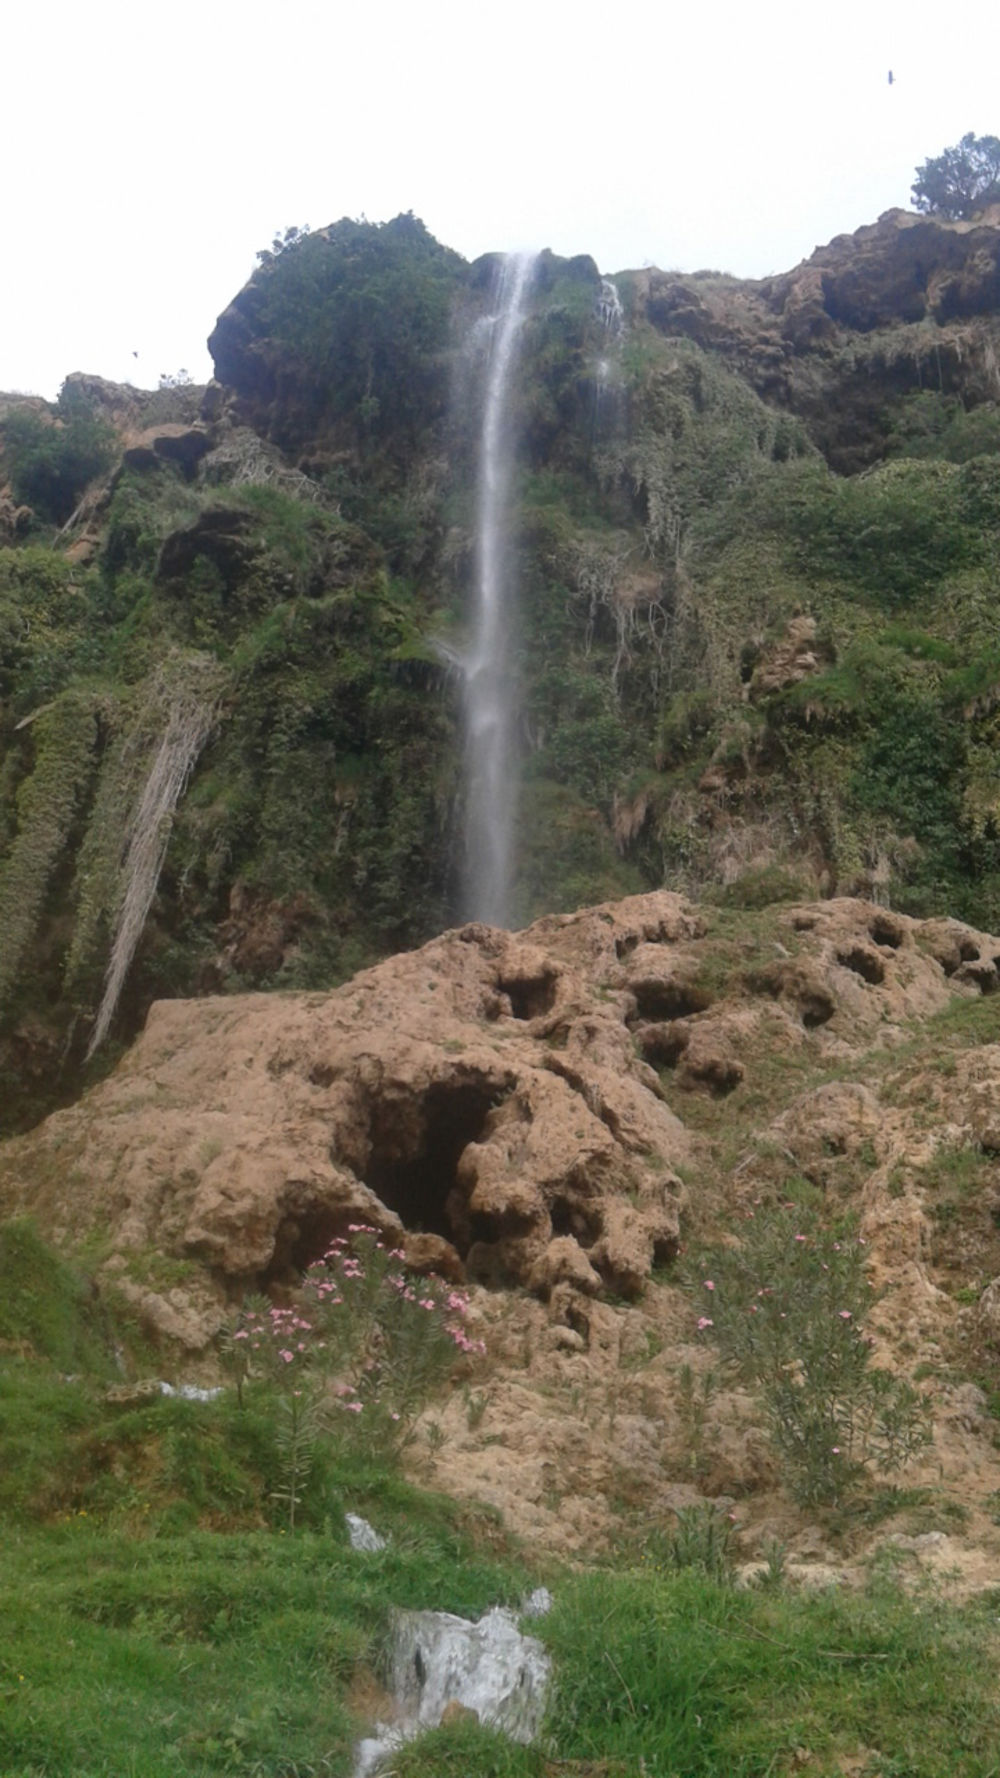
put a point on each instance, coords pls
(49, 461)
(361, 310)
(960, 180)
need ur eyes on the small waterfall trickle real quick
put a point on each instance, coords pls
(609, 309)
(490, 776)
(607, 375)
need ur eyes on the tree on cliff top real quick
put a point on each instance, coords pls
(960, 180)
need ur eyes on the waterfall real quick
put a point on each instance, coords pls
(607, 378)
(609, 308)
(489, 701)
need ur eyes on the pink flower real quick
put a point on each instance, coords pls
(845, 1314)
(354, 1407)
(705, 1321)
(287, 1356)
(800, 1237)
(709, 1284)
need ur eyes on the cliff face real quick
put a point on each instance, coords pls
(757, 531)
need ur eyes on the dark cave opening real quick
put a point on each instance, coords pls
(302, 1238)
(415, 1150)
(867, 964)
(530, 996)
(569, 1217)
(658, 1000)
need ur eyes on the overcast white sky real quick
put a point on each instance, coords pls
(148, 152)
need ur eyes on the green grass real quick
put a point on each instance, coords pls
(158, 1621)
(208, 1653)
(699, 1679)
(197, 1654)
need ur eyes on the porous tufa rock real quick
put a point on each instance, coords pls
(563, 1262)
(487, 1103)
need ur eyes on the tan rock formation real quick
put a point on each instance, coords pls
(518, 1110)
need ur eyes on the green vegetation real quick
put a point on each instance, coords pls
(787, 1310)
(361, 313)
(960, 180)
(160, 1617)
(673, 523)
(49, 461)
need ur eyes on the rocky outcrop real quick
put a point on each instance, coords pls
(905, 304)
(904, 267)
(497, 1103)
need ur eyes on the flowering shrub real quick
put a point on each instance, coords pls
(361, 1352)
(787, 1311)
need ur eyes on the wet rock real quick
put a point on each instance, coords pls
(362, 1536)
(444, 1664)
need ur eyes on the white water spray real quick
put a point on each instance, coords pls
(489, 702)
(609, 308)
(607, 376)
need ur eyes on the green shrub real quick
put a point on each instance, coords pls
(786, 1309)
(49, 462)
(356, 1359)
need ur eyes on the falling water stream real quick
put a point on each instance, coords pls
(490, 788)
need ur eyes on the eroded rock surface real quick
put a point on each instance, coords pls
(545, 1115)
(497, 1103)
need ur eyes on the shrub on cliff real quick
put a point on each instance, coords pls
(960, 180)
(362, 312)
(50, 463)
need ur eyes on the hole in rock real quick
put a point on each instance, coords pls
(867, 964)
(625, 946)
(982, 975)
(321, 1075)
(657, 999)
(664, 1044)
(491, 1258)
(489, 1227)
(968, 950)
(816, 1007)
(302, 1238)
(530, 996)
(887, 931)
(717, 1075)
(571, 1218)
(416, 1144)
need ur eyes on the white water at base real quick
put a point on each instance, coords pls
(487, 1667)
(490, 786)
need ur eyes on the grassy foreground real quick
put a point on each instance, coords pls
(158, 1620)
(204, 1653)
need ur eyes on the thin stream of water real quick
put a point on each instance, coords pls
(489, 697)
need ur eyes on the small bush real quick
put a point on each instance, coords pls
(786, 1309)
(50, 462)
(701, 1538)
(357, 1358)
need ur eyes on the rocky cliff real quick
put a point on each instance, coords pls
(756, 541)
